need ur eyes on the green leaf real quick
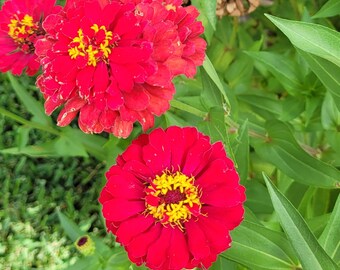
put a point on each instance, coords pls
(327, 72)
(222, 264)
(22, 136)
(32, 105)
(209, 9)
(213, 91)
(258, 199)
(312, 38)
(241, 152)
(214, 125)
(62, 146)
(262, 103)
(330, 9)
(292, 108)
(260, 248)
(281, 67)
(86, 263)
(330, 115)
(311, 254)
(71, 229)
(330, 237)
(118, 260)
(282, 150)
(93, 144)
(43, 150)
(239, 71)
(318, 224)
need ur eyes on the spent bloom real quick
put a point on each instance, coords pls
(20, 28)
(112, 62)
(172, 199)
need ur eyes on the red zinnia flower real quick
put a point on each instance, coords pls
(20, 27)
(172, 199)
(113, 61)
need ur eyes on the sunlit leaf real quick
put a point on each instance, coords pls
(329, 9)
(213, 91)
(312, 38)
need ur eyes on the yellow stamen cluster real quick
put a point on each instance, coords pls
(170, 7)
(176, 195)
(19, 30)
(83, 45)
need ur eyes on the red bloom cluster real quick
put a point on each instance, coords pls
(112, 62)
(172, 199)
(20, 28)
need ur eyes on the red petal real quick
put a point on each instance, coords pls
(132, 227)
(125, 55)
(197, 242)
(220, 171)
(133, 152)
(138, 247)
(122, 129)
(231, 217)
(100, 78)
(84, 81)
(89, 116)
(178, 251)
(120, 209)
(122, 76)
(137, 99)
(157, 154)
(223, 196)
(195, 155)
(177, 144)
(217, 234)
(139, 169)
(158, 251)
(125, 186)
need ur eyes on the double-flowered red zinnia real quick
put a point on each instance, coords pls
(172, 199)
(112, 62)
(20, 28)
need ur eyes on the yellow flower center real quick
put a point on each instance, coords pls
(172, 198)
(21, 29)
(95, 47)
(170, 7)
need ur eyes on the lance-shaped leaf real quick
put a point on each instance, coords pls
(310, 252)
(330, 237)
(329, 9)
(327, 72)
(282, 150)
(257, 247)
(32, 105)
(310, 37)
(213, 93)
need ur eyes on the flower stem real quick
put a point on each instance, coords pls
(23, 121)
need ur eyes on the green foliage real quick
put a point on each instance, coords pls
(269, 89)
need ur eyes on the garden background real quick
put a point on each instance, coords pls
(269, 90)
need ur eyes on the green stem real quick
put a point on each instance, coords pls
(233, 33)
(295, 8)
(187, 108)
(23, 121)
